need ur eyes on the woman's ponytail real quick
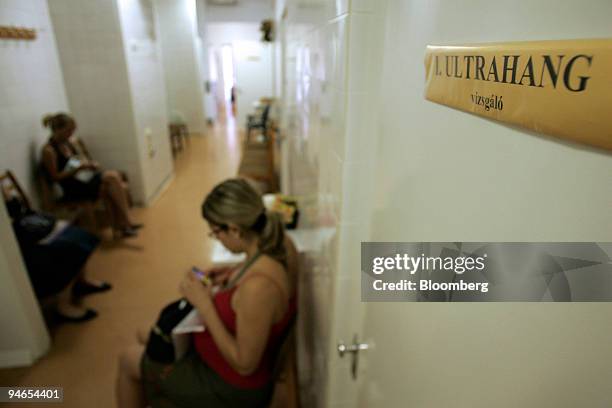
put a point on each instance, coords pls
(272, 237)
(47, 120)
(57, 121)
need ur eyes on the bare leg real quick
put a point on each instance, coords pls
(142, 336)
(114, 189)
(129, 388)
(126, 189)
(112, 212)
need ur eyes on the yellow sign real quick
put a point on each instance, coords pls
(560, 88)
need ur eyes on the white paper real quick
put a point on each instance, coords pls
(84, 175)
(72, 163)
(181, 334)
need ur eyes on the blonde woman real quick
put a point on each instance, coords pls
(230, 363)
(83, 180)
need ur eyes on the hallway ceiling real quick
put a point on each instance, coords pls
(223, 2)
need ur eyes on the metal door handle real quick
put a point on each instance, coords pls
(354, 350)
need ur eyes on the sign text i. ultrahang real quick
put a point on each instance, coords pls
(517, 70)
(553, 87)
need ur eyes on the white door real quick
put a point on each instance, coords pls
(253, 71)
(444, 175)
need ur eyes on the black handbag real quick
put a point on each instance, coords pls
(159, 346)
(34, 227)
(30, 226)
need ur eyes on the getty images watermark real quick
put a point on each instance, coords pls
(482, 272)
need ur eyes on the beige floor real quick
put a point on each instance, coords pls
(145, 273)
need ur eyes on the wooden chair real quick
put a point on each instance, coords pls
(81, 148)
(257, 161)
(285, 394)
(178, 134)
(11, 188)
(255, 122)
(78, 209)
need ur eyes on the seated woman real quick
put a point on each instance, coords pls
(55, 254)
(83, 180)
(230, 364)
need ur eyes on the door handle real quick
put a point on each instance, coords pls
(353, 350)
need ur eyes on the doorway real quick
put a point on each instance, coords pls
(229, 80)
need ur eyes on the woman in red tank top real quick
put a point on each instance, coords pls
(231, 362)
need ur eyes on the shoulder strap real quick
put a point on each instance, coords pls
(243, 270)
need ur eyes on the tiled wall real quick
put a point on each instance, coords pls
(146, 75)
(24, 336)
(114, 87)
(184, 84)
(372, 160)
(327, 91)
(32, 86)
(97, 83)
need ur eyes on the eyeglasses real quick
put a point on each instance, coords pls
(215, 231)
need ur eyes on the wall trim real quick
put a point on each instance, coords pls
(16, 358)
(160, 190)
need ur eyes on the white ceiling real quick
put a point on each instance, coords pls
(238, 10)
(222, 2)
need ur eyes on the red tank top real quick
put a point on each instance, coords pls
(210, 353)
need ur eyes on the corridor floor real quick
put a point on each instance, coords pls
(145, 273)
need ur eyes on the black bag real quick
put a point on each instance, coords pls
(30, 226)
(159, 346)
(34, 227)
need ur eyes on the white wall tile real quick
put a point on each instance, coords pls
(315, 112)
(367, 6)
(29, 91)
(183, 81)
(337, 52)
(365, 36)
(338, 121)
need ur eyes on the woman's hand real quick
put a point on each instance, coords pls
(88, 166)
(198, 294)
(219, 275)
(83, 166)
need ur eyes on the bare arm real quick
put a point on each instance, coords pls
(219, 274)
(253, 321)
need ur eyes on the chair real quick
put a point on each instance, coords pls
(257, 161)
(11, 188)
(261, 122)
(285, 393)
(81, 148)
(52, 202)
(178, 133)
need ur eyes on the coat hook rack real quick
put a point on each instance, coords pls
(17, 33)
